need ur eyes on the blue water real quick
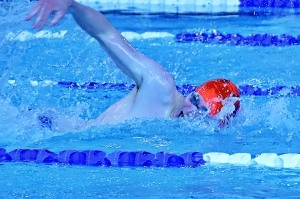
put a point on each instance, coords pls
(265, 124)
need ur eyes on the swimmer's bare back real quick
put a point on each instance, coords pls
(155, 94)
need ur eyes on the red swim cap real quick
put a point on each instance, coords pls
(215, 91)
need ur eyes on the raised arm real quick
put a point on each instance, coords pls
(128, 59)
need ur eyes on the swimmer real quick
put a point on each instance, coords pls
(155, 93)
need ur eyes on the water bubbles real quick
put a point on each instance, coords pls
(16, 100)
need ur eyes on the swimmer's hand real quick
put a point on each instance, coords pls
(44, 8)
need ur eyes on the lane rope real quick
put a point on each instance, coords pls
(217, 37)
(147, 159)
(287, 91)
(204, 36)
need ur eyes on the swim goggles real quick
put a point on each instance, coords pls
(195, 99)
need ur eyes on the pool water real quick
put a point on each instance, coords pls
(265, 124)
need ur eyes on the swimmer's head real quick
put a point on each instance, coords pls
(214, 94)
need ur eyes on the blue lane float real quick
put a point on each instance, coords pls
(99, 158)
(238, 39)
(270, 3)
(185, 89)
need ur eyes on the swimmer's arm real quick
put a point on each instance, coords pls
(128, 59)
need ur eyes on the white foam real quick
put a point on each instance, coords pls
(131, 35)
(26, 35)
(151, 35)
(34, 83)
(146, 35)
(48, 83)
(11, 81)
(43, 83)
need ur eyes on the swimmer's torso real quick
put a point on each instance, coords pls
(132, 106)
(141, 103)
(155, 97)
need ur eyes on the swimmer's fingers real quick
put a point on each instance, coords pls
(43, 15)
(44, 8)
(59, 15)
(34, 11)
(42, 11)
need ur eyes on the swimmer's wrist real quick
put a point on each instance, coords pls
(73, 5)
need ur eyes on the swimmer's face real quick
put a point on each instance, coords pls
(195, 106)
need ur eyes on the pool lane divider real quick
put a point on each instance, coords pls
(147, 159)
(238, 39)
(248, 90)
(269, 3)
(204, 36)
